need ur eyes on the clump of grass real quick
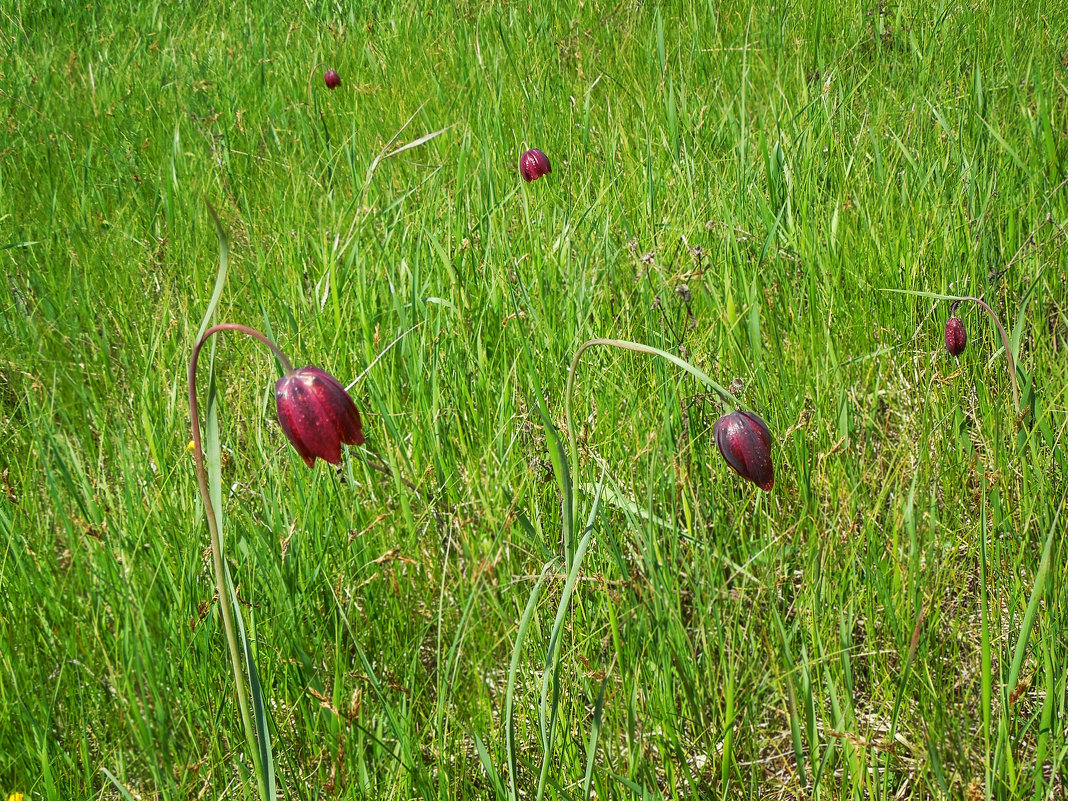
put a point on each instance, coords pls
(729, 188)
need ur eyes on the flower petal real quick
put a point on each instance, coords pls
(744, 442)
(317, 415)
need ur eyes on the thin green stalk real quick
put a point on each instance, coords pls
(216, 536)
(997, 322)
(1008, 350)
(552, 663)
(311, 78)
(986, 662)
(513, 669)
(572, 434)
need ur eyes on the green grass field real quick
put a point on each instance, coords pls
(737, 186)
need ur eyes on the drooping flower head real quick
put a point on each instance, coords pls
(331, 79)
(745, 443)
(317, 414)
(533, 164)
(956, 337)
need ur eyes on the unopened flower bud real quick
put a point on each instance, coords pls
(316, 414)
(745, 443)
(533, 164)
(956, 338)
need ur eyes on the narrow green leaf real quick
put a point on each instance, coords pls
(259, 708)
(1037, 591)
(220, 274)
(509, 696)
(487, 764)
(547, 714)
(591, 748)
(117, 785)
(795, 726)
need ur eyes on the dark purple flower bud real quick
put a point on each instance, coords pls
(745, 442)
(331, 79)
(533, 164)
(316, 414)
(956, 338)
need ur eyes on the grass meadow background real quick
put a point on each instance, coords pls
(736, 185)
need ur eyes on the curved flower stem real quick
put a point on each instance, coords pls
(216, 536)
(572, 435)
(311, 77)
(1008, 350)
(244, 329)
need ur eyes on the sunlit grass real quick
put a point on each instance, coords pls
(735, 186)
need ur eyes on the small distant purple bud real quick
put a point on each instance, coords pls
(533, 164)
(956, 338)
(745, 443)
(331, 79)
(316, 414)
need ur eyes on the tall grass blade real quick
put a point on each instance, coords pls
(1037, 592)
(546, 712)
(795, 724)
(509, 697)
(595, 731)
(259, 707)
(220, 273)
(119, 786)
(487, 765)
